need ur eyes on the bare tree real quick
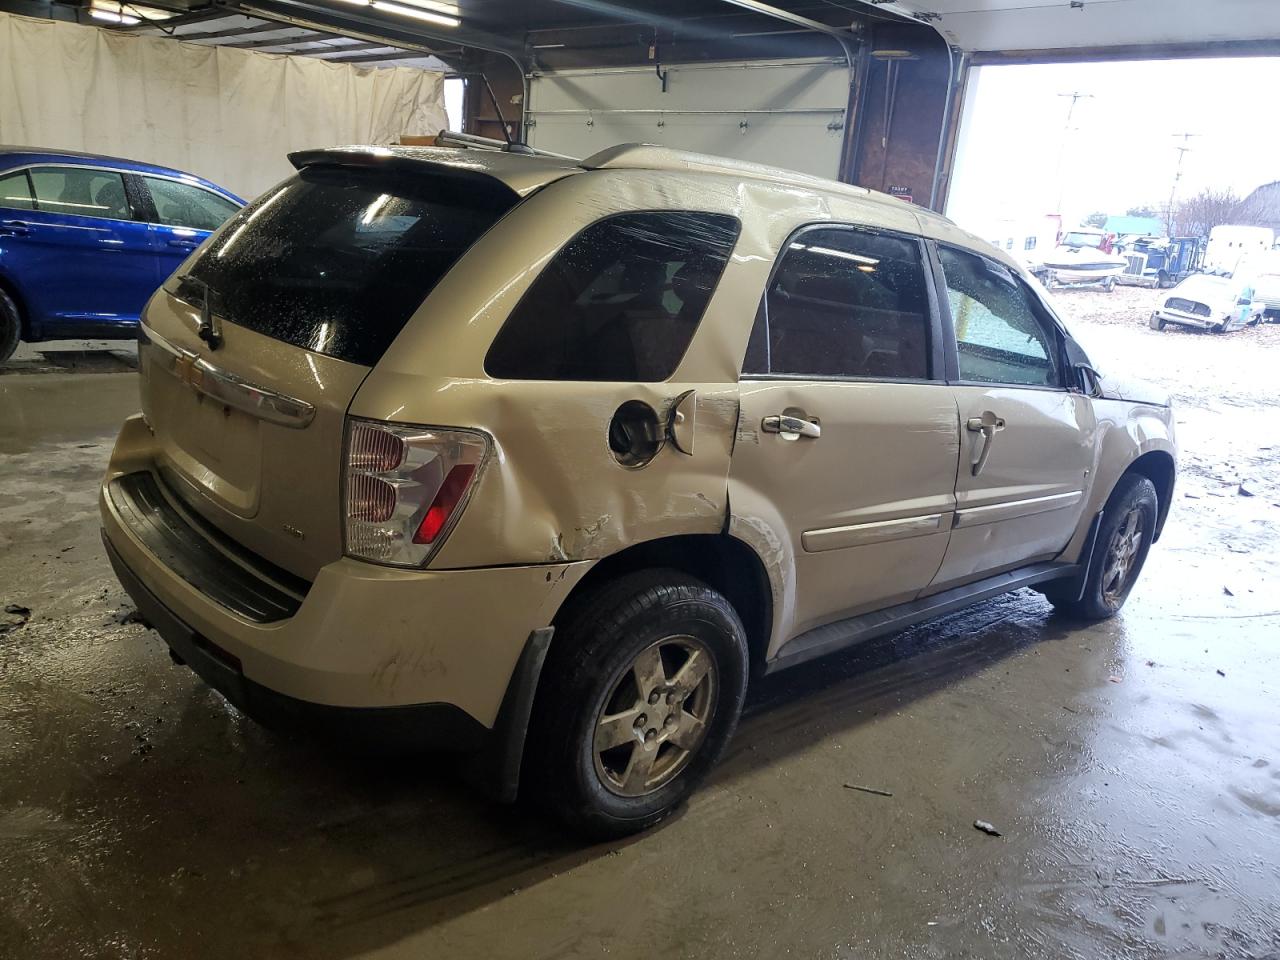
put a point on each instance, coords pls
(1146, 210)
(1197, 215)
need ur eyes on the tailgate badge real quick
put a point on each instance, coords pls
(293, 531)
(185, 368)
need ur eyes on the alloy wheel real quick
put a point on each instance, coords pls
(655, 716)
(1122, 557)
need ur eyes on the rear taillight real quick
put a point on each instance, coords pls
(405, 487)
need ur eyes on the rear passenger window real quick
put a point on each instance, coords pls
(845, 303)
(619, 302)
(80, 192)
(15, 191)
(999, 336)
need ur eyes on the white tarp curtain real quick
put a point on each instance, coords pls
(228, 115)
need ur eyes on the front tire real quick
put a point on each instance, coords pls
(1124, 537)
(640, 694)
(1155, 323)
(10, 326)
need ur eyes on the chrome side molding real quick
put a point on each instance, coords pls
(224, 387)
(879, 531)
(1010, 509)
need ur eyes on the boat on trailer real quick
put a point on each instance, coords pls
(1081, 258)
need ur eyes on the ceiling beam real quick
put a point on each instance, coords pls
(182, 20)
(375, 57)
(310, 36)
(233, 31)
(347, 48)
(372, 26)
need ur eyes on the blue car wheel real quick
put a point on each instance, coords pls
(10, 326)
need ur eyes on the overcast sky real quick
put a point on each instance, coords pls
(1120, 148)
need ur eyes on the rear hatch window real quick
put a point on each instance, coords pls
(336, 259)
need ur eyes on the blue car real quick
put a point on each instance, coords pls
(86, 240)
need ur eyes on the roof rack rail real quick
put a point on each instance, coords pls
(451, 138)
(648, 156)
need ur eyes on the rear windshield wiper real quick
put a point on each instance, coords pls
(210, 329)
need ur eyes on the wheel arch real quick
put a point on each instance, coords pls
(723, 562)
(10, 287)
(1158, 467)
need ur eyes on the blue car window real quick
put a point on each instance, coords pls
(15, 191)
(80, 192)
(186, 205)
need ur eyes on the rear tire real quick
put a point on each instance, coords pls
(10, 326)
(621, 734)
(1124, 537)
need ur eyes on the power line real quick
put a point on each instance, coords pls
(1076, 97)
(1183, 149)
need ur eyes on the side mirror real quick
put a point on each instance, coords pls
(1090, 379)
(1086, 376)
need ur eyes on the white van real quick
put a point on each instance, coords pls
(1262, 272)
(1228, 243)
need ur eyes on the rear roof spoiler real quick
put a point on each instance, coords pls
(521, 174)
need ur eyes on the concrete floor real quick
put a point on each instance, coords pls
(1132, 767)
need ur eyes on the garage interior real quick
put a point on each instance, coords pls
(1132, 767)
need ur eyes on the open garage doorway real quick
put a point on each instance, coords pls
(1149, 145)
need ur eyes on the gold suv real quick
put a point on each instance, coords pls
(540, 459)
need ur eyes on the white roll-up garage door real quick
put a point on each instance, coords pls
(789, 113)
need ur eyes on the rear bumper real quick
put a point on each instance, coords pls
(440, 726)
(364, 637)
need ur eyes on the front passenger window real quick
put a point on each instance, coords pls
(999, 337)
(845, 303)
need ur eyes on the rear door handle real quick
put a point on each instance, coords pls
(14, 228)
(790, 427)
(987, 426)
(185, 244)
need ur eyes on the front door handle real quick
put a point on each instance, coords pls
(185, 244)
(14, 228)
(790, 427)
(987, 426)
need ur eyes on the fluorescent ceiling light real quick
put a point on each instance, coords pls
(438, 6)
(844, 254)
(414, 13)
(112, 17)
(126, 13)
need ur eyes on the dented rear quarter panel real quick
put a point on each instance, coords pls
(551, 489)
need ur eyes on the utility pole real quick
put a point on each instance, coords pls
(1076, 97)
(1183, 149)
